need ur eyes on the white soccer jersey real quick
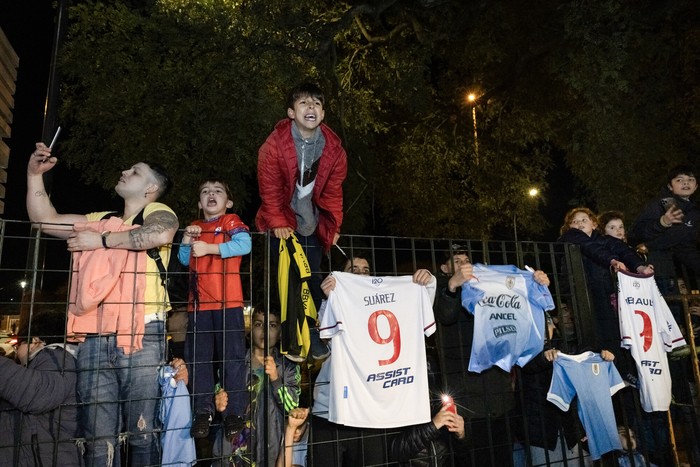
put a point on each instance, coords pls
(378, 369)
(648, 329)
(508, 308)
(593, 381)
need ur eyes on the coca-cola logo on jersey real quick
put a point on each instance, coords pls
(501, 301)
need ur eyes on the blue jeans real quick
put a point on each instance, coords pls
(215, 350)
(118, 391)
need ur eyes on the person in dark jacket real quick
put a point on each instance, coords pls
(601, 254)
(668, 228)
(333, 443)
(483, 399)
(431, 443)
(38, 410)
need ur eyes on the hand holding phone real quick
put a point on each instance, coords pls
(449, 404)
(673, 213)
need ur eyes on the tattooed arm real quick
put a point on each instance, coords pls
(39, 206)
(158, 229)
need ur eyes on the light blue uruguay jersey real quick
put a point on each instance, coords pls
(509, 323)
(593, 380)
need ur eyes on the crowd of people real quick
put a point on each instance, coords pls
(92, 369)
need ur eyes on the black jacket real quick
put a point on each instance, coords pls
(597, 251)
(478, 395)
(601, 249)
(425, 445)
(668, 244)
(38, 411)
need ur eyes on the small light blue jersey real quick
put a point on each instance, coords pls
(509, 322)
(594, 381)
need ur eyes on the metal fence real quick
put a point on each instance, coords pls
(35, 271)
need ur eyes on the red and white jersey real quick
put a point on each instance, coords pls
(648, 329)
(378, 370)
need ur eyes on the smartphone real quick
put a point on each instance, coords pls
(667, 203)
(449, 404)
(55, 137)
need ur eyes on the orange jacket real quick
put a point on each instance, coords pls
(107, 291)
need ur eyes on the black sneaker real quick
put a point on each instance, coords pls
(200, 425)
(233, 424)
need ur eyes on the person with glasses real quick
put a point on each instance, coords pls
(38, 407)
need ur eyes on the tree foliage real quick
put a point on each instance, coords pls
(198, 85)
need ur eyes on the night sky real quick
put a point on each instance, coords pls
(29, 26)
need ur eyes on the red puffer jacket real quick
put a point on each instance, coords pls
(278, 171)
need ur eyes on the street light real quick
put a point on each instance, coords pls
(532, 192)
(471, 97)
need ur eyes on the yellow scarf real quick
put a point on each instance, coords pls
(298, 310)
